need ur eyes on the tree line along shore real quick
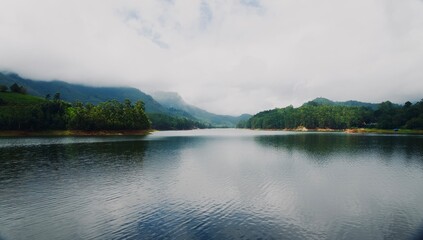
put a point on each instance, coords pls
(22, 115)
(385, 117)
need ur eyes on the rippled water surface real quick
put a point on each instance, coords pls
(212, 184)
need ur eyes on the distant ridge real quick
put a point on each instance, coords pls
(350, 103)
(174, 100)
(86, 94)
(168, 103)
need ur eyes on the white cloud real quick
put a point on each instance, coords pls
(225, 56)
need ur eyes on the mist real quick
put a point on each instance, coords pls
(228, 57)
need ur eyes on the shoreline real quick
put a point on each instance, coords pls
(73, 133)
(383, 131)
(351, 130)
(83, 133)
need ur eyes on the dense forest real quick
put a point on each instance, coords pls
(167, 122)
(24, 112)
(19, 111)
(314, 115)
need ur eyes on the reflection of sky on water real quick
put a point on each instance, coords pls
(213, 184)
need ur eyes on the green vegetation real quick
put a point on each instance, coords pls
(24, 112)
(385, 131)
(110, 115)
(17, 99)
(87, 94)
(166, 122)
(19, 111)
(3, 88)
(17, 89)
(169, 104)
(313, 115)
(351, 103)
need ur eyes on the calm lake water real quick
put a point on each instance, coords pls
(212, 184)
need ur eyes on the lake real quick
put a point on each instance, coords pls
(212, 184)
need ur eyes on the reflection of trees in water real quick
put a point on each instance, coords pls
(324, 145)
(78, 157)
(84, 158)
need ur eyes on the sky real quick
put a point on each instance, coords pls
(225, 56)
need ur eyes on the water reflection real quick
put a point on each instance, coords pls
(213, 185)
(55, 191)
(22, 161)
(323, 146)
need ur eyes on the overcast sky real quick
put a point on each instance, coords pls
(226, 56)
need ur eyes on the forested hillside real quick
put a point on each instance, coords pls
(24, 112)
(178, 111)
(20, 111)
(86, 94)
(320, 115)
(350, 103)
(167, 122)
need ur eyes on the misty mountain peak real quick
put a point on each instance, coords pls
(170, 99)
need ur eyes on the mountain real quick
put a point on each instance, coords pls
(169, 103)
(173, 100)
(350, 103)
(75, 92)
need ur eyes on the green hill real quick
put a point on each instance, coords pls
(22, 112)
(322, 113)
(350, 103)
(95, 95)
(163, 103)
(86, 94)
(17, 99)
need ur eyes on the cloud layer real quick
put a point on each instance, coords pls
(225, 56)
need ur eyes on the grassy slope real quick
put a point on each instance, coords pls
(17, 99)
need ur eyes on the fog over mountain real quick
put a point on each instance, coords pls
(173, 100)
(167, 103)
(227, 57)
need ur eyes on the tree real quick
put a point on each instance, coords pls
(415, 123)
(18, 89)
(57, 114)
(407, 104)
(56, 96)
(15, 88)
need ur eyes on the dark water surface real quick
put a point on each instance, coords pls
(212, 184)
